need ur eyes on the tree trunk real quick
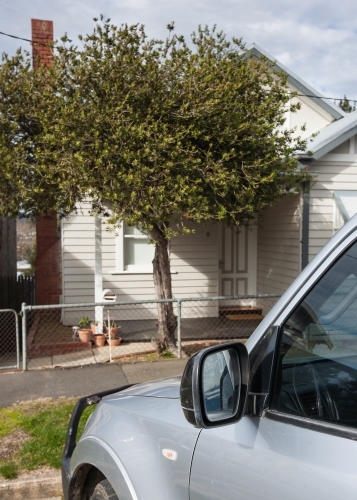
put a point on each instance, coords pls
(167, 321)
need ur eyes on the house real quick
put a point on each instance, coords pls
(217, 260)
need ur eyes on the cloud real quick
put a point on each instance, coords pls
(316, 40)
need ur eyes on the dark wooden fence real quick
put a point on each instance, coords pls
(13, 292)
(16, 290)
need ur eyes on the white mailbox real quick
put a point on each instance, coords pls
(109, 295)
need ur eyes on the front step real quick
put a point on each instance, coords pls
(244, 317)
(241, 313)
(223, 310)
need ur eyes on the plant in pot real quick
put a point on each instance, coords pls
(84, 331)
(98, 337)
(95, 328)
(113, 333)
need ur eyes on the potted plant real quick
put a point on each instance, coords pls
(98, 338)
(94, 328)
(84, 331)
(113, 333)
(113, 340)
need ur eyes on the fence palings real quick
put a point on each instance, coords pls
(14, 290)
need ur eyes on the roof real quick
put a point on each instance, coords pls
(331, 136)
(339, 131)
(298, 82)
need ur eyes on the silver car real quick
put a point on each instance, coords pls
(273, 419)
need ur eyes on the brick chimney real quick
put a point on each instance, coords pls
(42, 37)
(48, 244)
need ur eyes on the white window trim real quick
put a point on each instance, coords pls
(119, 257)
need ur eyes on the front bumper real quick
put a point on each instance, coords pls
(71, 439)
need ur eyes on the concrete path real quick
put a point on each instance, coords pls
(57, 382)
(90, 356)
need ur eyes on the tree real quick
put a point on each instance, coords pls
(346, 106)
(154, 132)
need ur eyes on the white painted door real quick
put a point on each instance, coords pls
(238, 261)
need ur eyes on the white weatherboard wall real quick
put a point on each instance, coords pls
(279, 238)
(310, 114)
(78, 251)
(334, 171)
(194, 265)
(194, 262)
(279, 249)
(78, 247)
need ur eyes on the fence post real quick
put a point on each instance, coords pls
(24, 336)
(17, 340)
(179, 349)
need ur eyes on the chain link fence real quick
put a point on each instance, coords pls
(57, 336)
(9, 340)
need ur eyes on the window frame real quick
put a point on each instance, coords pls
(299, 420)
(120, 257)
(305, 287)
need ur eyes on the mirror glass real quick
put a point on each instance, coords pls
(221, 384)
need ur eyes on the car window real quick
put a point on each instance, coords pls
(316, 373)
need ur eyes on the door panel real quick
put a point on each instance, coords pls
(238, 261)
(260, 459)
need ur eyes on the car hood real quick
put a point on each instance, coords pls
(168, 388)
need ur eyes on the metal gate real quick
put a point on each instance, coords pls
(9, 339)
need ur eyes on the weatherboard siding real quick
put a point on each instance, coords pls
(335, 171)
(310, 115)
(279, 246)
(193, 259)
(78, 257)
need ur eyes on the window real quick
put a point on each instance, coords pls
(316, 375)
(345, 207)
(134, 252)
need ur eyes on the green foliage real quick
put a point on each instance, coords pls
(46, 424)
(153, 131)
(9, 470)
(167, 354)
(84, 322)
(346, 106)
(47, 429)
(10, 419)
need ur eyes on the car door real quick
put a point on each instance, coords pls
(303, 445)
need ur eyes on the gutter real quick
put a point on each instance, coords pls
(305, 224)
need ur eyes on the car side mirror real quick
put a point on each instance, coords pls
(214, 385)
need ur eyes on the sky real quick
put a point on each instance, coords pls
(315, 39)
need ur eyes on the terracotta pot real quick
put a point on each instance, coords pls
(99, 339)
(85, 334)
(94, 329)
(114, 331)
(114, 342)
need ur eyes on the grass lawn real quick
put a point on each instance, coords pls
(32, 434)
